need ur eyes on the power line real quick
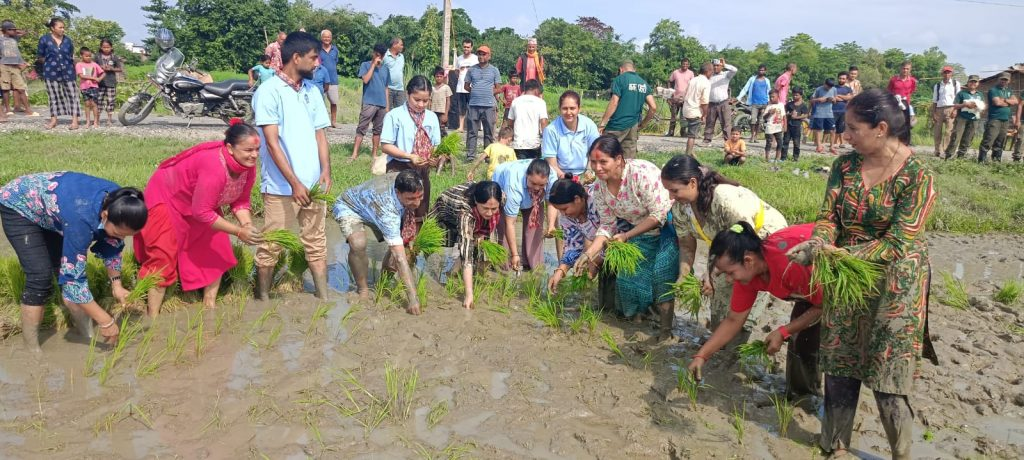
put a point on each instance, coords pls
(985, 2)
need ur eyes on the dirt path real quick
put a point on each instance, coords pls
(492, 383)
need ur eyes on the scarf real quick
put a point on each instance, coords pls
(537, 63)
(421, 146)
(537, 198)
(296, 85)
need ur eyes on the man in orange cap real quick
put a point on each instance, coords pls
(483, 81)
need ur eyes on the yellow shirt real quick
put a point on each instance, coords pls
(498, 153)
(738, 146)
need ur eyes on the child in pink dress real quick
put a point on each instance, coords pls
(90, 74)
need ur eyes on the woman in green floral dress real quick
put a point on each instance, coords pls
(876, 204)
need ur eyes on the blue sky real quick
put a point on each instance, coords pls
(981, 42)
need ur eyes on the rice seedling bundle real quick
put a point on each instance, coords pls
(847, 282)
(687, 291)
(558, 234)
(493, 252)
(316, 193)
(1010, 292)
(450, 145)
(287, 239)
(241, 274)
(955, 293)
(622, 258)
(755, 352)
(129, 266)
(430, 238)
(99, 279)
(142, 287)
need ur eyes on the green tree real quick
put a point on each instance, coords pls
(228, 34)
(506, 46)
(665, 47)
(159, 14)
(428, 47)
(88, 31)
(576, 58)
(354, 35)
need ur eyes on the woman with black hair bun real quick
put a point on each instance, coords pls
(52, 221)
(469, 213)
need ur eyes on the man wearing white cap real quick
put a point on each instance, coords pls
(530, 66)
(943, 95)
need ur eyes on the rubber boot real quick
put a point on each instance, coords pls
(264, 277)
(320, 283)
(30, 319)
(83, 323)
(666, 316)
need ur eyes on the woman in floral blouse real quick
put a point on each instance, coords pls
(631, 191)
(876, 204)
(52, 221)
(468, 213)
(187, 235)
(56, 53)
(706, 203)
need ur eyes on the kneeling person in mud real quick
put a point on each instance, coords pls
(380, 204)
(755, 265)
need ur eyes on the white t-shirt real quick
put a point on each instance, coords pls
(777, 119)
(697, 94)
(464, 63)
(527, 111)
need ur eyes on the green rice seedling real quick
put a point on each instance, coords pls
(90, 358)
(955, 294)
(421, 289)
(500, 309)
(574, 284)
(493, 253)
(846, 281)
(687, 291)
(197, 333)
(242, 273)
(430, 238)
(216, 421)
(12, 280)
(453, 286)
(316, 193)
(450, 145)
(220, 321)
(275, 334)
(755, 352)
(612, 344)
(590, 316)
(928, 435)
(382, 287)
(437, 412)
(287, 239)
(547, 312)
(129, 410)
(688, 384)
(99, 279)
(647, 359)
(576, 325)
(352, 310)
(622, 258)
(1015, 329)
(401, 388)
(1010, 292)
(783, 412)
(739, 419)
(319, 316)
(127, 333)
(129, 266)
(558, 234)
(142, 287)
(531, 284)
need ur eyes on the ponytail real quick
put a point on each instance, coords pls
(126, 208)
(684, 168)
(736, 241)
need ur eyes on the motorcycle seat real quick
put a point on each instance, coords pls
(224, 88)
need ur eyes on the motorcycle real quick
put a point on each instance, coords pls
(184, 92)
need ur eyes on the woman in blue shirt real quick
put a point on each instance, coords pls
(52, 220)
(567, 140)
(525, 184)
(56, 53)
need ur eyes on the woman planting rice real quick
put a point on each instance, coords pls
(409, 135)
(876, 203)
(526, 184)
(707, 203)
(468, 213)
(187, 236)
(754, 265)
(630, 190)
(52, 220)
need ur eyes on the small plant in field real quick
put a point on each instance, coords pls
(437, 412)
(589, 316)
(129, 410)
(493, 253)
(622, 258)
(319, 316)
(287, 239)
(928, 435)
(1010, 292)
(687, 291)
(128, 332)
(90, 358)
(12, 280)
(453, 286)
(847, 281)
(755, 352)
(783, 412)
(148, 362)
(142, 287)
(316, 193)
(612, 344)
(401, 388)
(955, 293)
(275, 335)
(547, 312)
(1015, 329)
(430, 238)
(421, 289)
(196, 326)
(688, 384)
(382, 288)
(241, 274)
(647, 359)
(739, 418)
(575, 284)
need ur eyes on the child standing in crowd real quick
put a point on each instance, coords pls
(511, 90)
(495, 154)
(441, 98)
(89, 73)
(735, 148)
(796, 112)
(261, 72)
(774, 119)
(112, 68)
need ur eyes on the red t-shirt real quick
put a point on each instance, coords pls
(511, 93)
(786, 279)
(901, 87)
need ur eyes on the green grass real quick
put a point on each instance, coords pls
(954, 293)
(1009, 293)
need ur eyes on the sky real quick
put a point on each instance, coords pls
(974, 33)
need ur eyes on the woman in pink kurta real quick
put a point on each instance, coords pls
(187, 236)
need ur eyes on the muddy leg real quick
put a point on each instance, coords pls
(802, 375)
(81, 320)
(31, 317)
(154, 299)
(841, 396)
(358, 262)
(666, 316)
(264, 276)
(210, 294)
(320, 283)
(898, 420)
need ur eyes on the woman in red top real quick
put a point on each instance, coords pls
(755, 265)
(186, 235)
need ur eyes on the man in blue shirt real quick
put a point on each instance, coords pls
(329, 61)
(379, 204)
(756, 88)
(294, 156)
(394, 60)
(843, 95)
(375, 78)
(822, 118)
(483, 81)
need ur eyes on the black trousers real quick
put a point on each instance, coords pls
(39, 251)
(793, 133)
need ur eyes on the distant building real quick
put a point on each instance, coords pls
(138, 49)
(1016, 72)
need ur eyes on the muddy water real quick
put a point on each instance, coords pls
(512, 389)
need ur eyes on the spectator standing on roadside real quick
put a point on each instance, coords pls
(510, 91)
(329, 61)
(903, 86)
(274, 51)
(757, 88)
(783, 82)
(441, 98)
(375, 78)
(796, 113)
(966, 106)
(56, 52)
(464, 62)
(530, 66)
(1001, 104)
(622, 117)
(774, 125)
(823, 121)
(843, 95)
(528, 115)
(483, 81)
(679, 80)
(719, 106)
(113, 70)
(853, 82)
(943, 98)
(695, 104)
(12, 81)
(394, 60)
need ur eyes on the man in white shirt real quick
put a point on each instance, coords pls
(943, 113)
(528, 116)
(695, 104)
(464, 62)
(719, 105)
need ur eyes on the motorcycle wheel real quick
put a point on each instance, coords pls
(245, 112)
(742, 121)
(136, 108)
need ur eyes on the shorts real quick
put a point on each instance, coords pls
(11, 78)
(694, 127)
(108, 96)
(823, 124)
(332, 94)
(840, 122)
(374, 114)
(91, 94)
(756, 111)
(350, 225)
